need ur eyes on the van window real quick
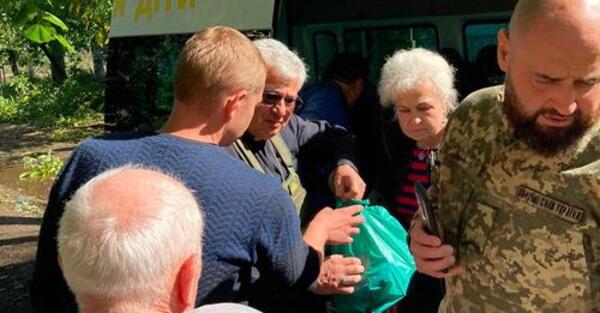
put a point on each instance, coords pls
(376, 44)
(481, 41)
(479, 35)
(326, 48)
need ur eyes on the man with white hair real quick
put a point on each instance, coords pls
(518, 187)
(124, 245)
(278, 141)
(251, 224)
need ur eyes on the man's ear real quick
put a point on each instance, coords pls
(233, 102)
(503, 52)
(187, 281)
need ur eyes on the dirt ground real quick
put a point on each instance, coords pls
(21, 210)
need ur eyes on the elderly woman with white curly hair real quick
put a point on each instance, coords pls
(419, 84)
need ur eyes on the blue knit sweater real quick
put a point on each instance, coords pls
(251, 224)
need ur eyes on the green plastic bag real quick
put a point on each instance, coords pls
(383, 249)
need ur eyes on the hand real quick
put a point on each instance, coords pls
(333, 226)
(346, 183)
(431, 257)
(339, 275)
(341, 224)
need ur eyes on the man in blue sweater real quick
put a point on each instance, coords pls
(251, 224)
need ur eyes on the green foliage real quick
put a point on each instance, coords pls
(70, 134)
(42, 168)
(16, 87)
(41, 26)
(166, 62)
(49, 17)
(39, 102)
(40, 31)
(8, 111)
(5, 198)
(12, 37)
(26, 205)
(91, 21)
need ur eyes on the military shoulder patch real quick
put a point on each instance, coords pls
(563, 210)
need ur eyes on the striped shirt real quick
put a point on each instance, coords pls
(418, 171)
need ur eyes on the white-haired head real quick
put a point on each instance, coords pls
(281, 59)
(403, 70)
(125, 233)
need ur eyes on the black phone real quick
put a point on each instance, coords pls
(426, 209)
(428, 218)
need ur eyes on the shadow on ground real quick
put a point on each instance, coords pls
(14, 293)
(17, 141)
(21, 209)
(17, 241)
(20, 220)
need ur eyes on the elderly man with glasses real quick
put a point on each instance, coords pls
(278, 141)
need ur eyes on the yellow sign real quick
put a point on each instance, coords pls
(155, 17)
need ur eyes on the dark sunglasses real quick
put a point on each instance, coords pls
(271, 97)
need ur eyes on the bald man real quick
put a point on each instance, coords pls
(518, 190)
(124, 243)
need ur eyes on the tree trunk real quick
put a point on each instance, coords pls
(12, 58)
(56, 55)
(98, 57)
(31, 70)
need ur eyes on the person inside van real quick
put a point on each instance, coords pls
(462, 71)
(487, 71)
(347, 98)
(342, 84)
(419, 84)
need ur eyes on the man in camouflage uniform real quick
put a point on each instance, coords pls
(518, 189)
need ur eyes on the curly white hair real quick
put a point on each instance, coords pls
(405, 68)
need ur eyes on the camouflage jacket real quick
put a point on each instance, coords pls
(524, 226)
